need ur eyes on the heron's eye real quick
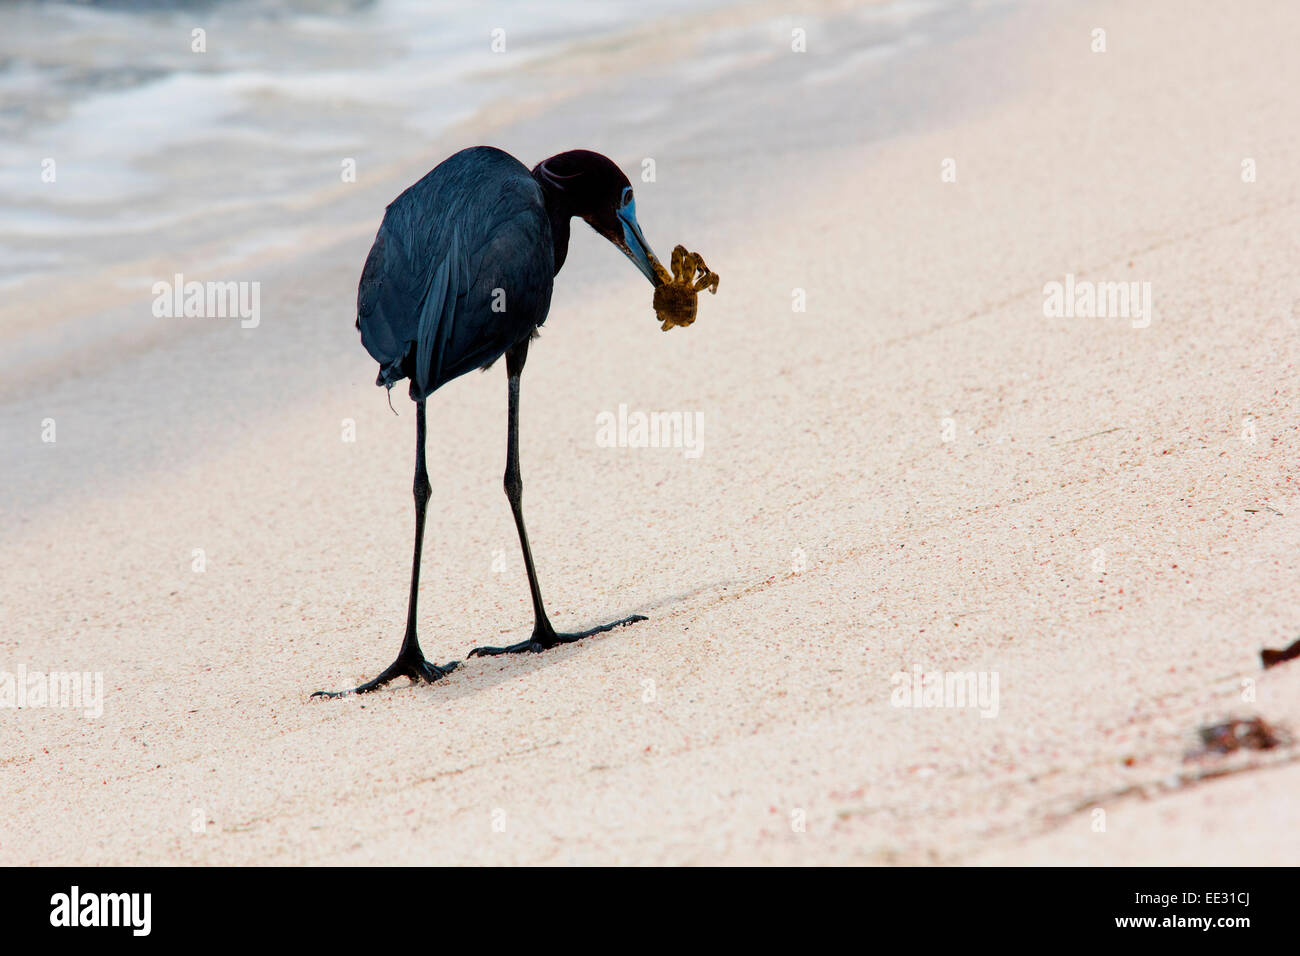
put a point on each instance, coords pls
(626, 197)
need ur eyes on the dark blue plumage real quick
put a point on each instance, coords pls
(461, 269)
(460, 274)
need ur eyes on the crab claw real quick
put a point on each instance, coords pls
(683, 266)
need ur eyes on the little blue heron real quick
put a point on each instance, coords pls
(460, 274)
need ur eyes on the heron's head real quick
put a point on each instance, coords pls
(591, 186)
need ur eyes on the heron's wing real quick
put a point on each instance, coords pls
(439, 313)
(471, 231)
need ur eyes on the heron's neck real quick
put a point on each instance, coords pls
(559, 236)
(559, 213)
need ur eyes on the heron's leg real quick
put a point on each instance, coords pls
(544, 635)
(410, 661)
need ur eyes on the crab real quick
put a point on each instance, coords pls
(676, 294)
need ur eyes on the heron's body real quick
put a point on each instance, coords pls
(460, 274)
(461, 269)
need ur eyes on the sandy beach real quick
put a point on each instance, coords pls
(904, 465)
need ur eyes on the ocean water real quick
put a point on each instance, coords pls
(120, 131)
(122, 138)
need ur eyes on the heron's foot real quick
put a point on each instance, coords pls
(545, 638)
(410, 665)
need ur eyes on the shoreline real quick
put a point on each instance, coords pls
(1084, 532)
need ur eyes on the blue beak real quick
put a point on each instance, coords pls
(634, 245)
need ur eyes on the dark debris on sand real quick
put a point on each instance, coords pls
(1271, 658)
(1231, 736)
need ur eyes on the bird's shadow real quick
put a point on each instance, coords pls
(471, 677)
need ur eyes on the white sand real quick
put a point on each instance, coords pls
(1076, 441)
